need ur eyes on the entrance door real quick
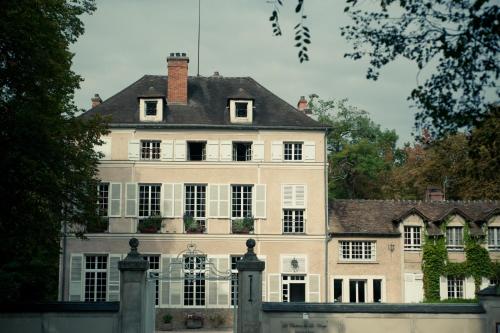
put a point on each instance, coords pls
(297, 292)
(357, 291)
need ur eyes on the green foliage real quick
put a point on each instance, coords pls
(454, 300)
(167, 318)
(361, 155)
(434, 259)
(244, 225)
(150, 225)
(48, 163)
(191, 225)
(478, 260)
(455, 40)
(98, 225)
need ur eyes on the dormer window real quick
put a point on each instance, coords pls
(241, 111)
(151, 108)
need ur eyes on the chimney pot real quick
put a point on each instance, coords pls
(96, 100)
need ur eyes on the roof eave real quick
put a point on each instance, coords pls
(210, 126)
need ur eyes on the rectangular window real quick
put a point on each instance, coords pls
(150, 150)
(337, 290)
(241, 109)
(377, 291)
(293, 221)
(241, 201)
(149, 200)
(455, 287)
(357, 291)
(494, 238)
(103, 199)
(242, 151)
(234, 279)
(292, 151)
(195, 205)
(154, 268)
(197, 151)
(357, 250)
(293, 288)
(412, 238)
(96, 270)
(454, 238)
(151, 108)
(194, 280)
(494, 282)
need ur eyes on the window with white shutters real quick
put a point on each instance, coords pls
(103, 198)
(150, 150)
(455, 287)
(95, 273)
(292, 151)
(154, 268)
(234, 279)
(293, 221)
(149, 200)
(494, 238)
(194, 280)
(241, 201)
(195, 203)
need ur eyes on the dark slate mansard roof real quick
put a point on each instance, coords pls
(207, 105)
(382, 217)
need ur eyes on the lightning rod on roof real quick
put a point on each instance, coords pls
(199, 19)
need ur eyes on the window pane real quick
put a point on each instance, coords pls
(377, 291)
(337, 290)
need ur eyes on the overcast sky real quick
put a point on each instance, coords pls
(125, 40)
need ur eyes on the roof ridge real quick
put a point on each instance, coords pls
(422, 201)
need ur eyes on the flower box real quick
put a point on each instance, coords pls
(242, 226)
(150, 225)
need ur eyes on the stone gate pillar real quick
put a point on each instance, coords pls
(249, 291)
(132, 290)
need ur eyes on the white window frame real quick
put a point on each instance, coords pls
(233, 259)
(154, 267)
(412, 237)
(96, 278)
(150, 211)
(248, 153)
(198, 270)
(294, 148)
(494, 238)
(203, 151)
(150, 150)
(243, 208)
(455, 238)
(287, 280)
(233, 115)
(455, 287)
(103, 199)
(199, 212)
(357, 250)
(150, 102)
(297, 224)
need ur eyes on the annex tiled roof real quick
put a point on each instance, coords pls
(207, 105)
(381, 217)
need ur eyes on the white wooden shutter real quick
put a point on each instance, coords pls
(212, 283)
(213, 200)
(133, 150)
(115, 207)
(167, 150)
(226, 151)
(180, 150)
(469, 288)
(105, 148)
(176, 282)
(258, 151)
(75, 278)
(259, 201)
(274, 287)
(212, 150)
(314, 286)
(443, 287)
(168, 200)
(309, 151)
(223, 285)
(131, 200)
(264, 291)
(293, 196)
(224, 196)
(277, 151)
(165, 284)
(300, 196)
(287, 196)
(114, 278)
(178, 199)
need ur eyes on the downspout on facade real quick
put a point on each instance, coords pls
(327, 234)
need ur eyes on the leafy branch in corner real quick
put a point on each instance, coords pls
(274, 18)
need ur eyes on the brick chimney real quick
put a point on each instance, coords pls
(434, 193)
(177, 64)
(302, 104)
(96, 100)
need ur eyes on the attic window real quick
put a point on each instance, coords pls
(241, 109)
(151, 108)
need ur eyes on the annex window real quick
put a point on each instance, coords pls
(292, 151)
(103, 199)
(293, 221)
(377, 291)
(154, 269)
(494, 238)
(149, 200)
(234, 279)
(194, 280)
(357, 291)
(357, 250)
(150, 150)
(241, 109)
(412, 238)
(151, 107)
(242, 151)
(241, 201)
(196, 150)
(195, 205)
(455, 287)
(454, 238)
(494, 282)
(293, 288)
(337, 290)
(96, 270)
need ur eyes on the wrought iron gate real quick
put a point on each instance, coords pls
(195, 268)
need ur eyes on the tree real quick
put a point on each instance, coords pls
(48, 169)
(455, 40)
(361, 155)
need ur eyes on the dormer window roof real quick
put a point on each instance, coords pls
(151, 106)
